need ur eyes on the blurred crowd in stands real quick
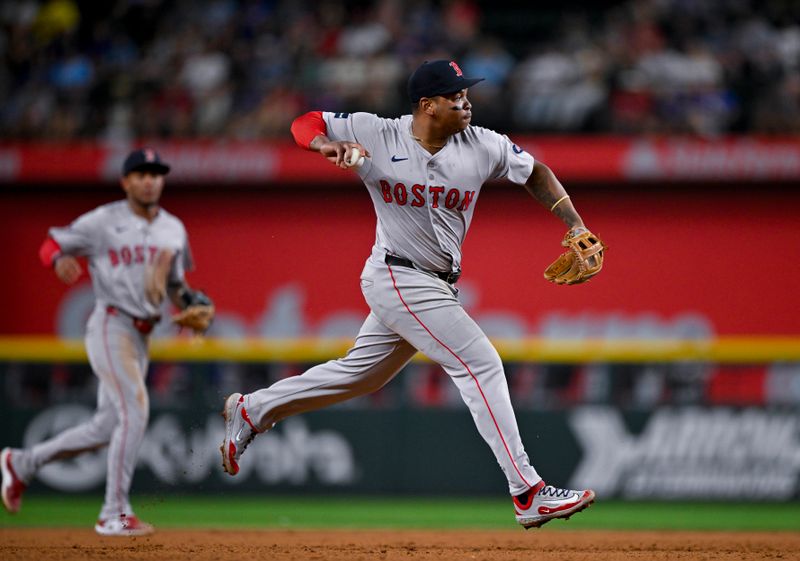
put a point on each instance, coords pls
(243, 69)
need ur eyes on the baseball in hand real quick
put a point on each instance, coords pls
(356, 159)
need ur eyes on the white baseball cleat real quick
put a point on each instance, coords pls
(123, 525)
(13, 486)
(544, 503)
(239, 432)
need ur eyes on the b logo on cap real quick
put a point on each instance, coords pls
(456, 68)
(149, 155)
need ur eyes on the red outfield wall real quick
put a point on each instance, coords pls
(720, 260)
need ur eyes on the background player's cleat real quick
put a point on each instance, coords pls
(544, 503)
(123, 525)
(239, 432)
(13, 486)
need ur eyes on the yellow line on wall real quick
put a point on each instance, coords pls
(729, 349)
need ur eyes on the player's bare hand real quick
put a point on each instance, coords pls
(67, 269)
(340, 152)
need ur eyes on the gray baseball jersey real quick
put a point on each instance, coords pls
(122, 249)
(424, 204)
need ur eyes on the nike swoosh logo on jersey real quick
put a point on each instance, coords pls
(396, 159)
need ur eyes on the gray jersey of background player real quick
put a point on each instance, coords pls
(424, 173)
(137, 254)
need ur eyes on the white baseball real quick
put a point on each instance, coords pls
(356, 159)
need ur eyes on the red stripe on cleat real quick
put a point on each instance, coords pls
(231, 453)
(548, 510)
(531, 493)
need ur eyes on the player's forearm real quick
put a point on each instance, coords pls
(316, 144)
(545, 187)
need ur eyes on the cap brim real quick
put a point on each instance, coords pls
(161, 169)
(469, 82)
(462, 85)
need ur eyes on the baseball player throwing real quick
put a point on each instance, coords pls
(137, 254)
(424, 172)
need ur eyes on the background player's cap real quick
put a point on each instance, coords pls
(144, 159)
(437, 77)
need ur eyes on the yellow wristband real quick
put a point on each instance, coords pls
(558, 202)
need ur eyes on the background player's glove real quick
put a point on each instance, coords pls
(198, 313)
(582, 260)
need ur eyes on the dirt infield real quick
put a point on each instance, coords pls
(280, 545)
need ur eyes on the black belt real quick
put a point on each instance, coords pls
(143, 325)
(448, 277)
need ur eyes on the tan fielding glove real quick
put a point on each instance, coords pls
(198, 314)
(582, 260)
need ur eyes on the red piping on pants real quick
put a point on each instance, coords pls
(464, 364)
(122, 403)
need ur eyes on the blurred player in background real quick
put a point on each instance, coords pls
(137, 254)
(424, 172)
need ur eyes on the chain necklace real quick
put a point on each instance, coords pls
(418, 139)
